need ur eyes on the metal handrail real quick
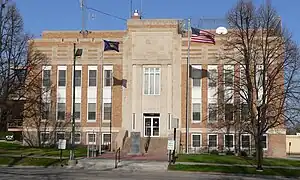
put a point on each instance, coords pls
(117, 157)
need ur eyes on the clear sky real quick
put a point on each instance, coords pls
(41, 15)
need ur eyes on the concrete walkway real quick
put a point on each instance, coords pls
(238, 165)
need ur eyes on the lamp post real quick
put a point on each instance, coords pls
(77, 53)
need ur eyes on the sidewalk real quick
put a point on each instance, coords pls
(35, 156)
(238, 165)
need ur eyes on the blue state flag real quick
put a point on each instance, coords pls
(111, 45)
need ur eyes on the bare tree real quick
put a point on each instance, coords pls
(266, 71)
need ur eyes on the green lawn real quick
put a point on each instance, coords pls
(236, 170)
(16, 149)
(219, 159)
(27, 161)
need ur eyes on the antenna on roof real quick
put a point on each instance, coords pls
(83, 29)
(141, 13)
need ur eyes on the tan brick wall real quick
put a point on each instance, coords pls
(84, 86)
(53, 91)
(276, 145)
(69, 90)
(99, 94)
(117, 97)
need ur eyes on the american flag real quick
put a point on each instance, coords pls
(202, 36)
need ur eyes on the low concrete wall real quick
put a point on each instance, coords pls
(293, 144)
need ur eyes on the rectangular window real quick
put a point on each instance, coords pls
(244, 112)
(60, 135)
(196, 111)
(212, 112)
(77, 138)
(151, 81)
(91, 138)
(77, 111)
(107, 111)
(195, 74)
(45, 137)
(259, 76)
(92, 77)
(228, 139)
(106, 138)
(77, 77)
(107, 78)
(229, 112)
(133, 120)
(46, 110)
(91, 111)
(245, 141)
(228, 75)
(212, 141)
(61, 111)
(196, 140)
(46, 78)
(264, 142)
(212, 77)
(151, 126)
(62, 78)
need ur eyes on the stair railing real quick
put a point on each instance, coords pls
(117, 157)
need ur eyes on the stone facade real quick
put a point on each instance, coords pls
(153, 44)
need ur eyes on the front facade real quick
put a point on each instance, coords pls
(141, 89)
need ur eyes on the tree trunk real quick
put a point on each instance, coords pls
(3, 121)
(259, 154)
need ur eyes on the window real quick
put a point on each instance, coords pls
(91, 138)
(46, 110)
(60, 135)
(259, 76)
(151, 81)
(212, 78)
(228, 74)
(106, 138)
(133, 120)
(212, 140)
(77, 111)
(61, 111)
(92, 77)
(244, 112)
(107, 78)
(245, 141)
(195, 75)
(212, 112)
(228, 139)
(196, 111)
(62, 78)
(46, 78)
(196, 140)
(264, 142)
(77, 138)
(151, 126)
(107, 111)
(77, 77)
(45, 137)
(229, 112)
(91, 111)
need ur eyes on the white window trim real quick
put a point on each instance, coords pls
(233, 114)
(217, 141)
(45, 142)
(233, 141)
(78, 142)
(197, 66)
(152, 125)
(106, 120)
(242, 141)
(196, 121)
(78, 101)
(228, 67)
(77, 67)
(58, 69)
(267, 142)
(212, 67)
(107, 67)
(46, 68)
(217, 116)
(96, 69)
(159, 83)
(196, 134)
(58, 102)
(87, 138)
(102, 138)
(87, 114)
(59, 132)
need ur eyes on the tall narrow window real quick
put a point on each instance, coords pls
(61, 111)
(196, 112)
(107, 78)
(212, 112)
(92, 78)
(46, 78)
(196, 76)
(212, 140)
(91, 138)
(244, 112)
(245, 141)
(228, 140)
(151, 81)
(62, 78)
(229, 112)
(107, 111)
(196, 140)
(264, 142)
(77, 111)
(77, 77)
(46, 110)
(228, 74)
(91, 111)
(212, 77)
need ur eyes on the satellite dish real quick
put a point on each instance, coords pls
(221, 30)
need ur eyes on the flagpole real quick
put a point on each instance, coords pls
(101, 94)
(187, 90)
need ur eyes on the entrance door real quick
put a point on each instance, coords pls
(151, 125)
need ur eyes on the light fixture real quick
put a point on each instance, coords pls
(78, 52)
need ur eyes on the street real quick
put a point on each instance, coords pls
(116, 174)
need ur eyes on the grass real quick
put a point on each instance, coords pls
(17, 149)
(28, 161)
(219, 159)
(236, 170)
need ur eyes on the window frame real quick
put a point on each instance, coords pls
(200, 111)
(78, 119)
(233, 141)
(267, 142)
(151, 126)
(192, 140)
(103, 110)
(78, 142)
(57, 111)
(44, 108)
(242, 147)
(76, 85)
(92, 120)
(208, 112)
(65, 78)
(105, 78)
(210, 78)
(93, 79)
(87, 140)
(217, 141)
(41, 138)
(48, 80)
(59, 132)
(147, 71)
(225, 70)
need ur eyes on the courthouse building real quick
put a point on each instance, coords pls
(141, 88)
